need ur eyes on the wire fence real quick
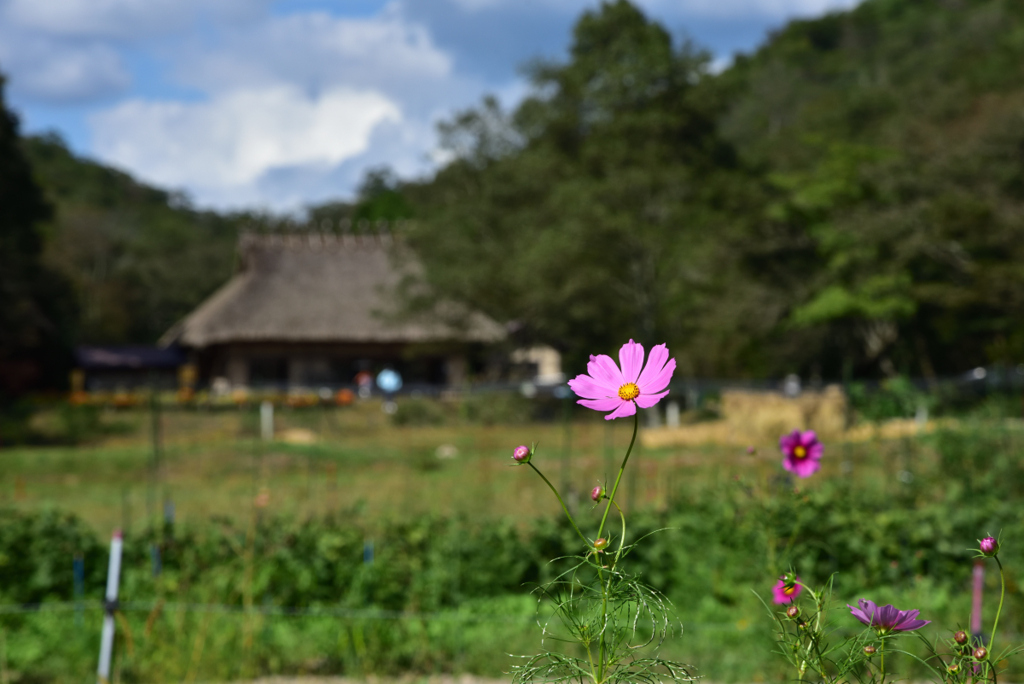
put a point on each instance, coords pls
(149, 607)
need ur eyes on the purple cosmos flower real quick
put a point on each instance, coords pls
(607, 388)
(988, 546)
(803, 452)
(884, 619)
(786, 589)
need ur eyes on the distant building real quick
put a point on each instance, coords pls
(109, 368)
(313, 310)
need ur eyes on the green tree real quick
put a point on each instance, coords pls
(890, 135)
(605, 207)
(37, 313)
(139, 257)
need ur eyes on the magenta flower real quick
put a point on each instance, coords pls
(885, 619)
(786, 590)
(620, 391)
(803, 452)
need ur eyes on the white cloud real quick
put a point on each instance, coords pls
(237, 137)
(692, 8)
(317, 51)
(55, 72)
(778, 9)
(299, 103)
(118, 19)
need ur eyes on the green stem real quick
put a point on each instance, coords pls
(559, 497)
(604, 588)
(1002, 593)
(600, 530)
(881, 653)
(618, 478)
(622, 540)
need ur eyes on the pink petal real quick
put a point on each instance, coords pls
(649, 400)
(788, 442)
(627, 408)
(859, 614)
(659, 381)
(631, 356)
(808, 438)
(586, 387)
(805, 467)
(605, 372)
(816, 451)
(656, 360)
(606, 404)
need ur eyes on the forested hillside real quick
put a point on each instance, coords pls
(139, 258)
(846, 201)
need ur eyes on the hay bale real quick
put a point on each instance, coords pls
(750, 417)
(760, 416)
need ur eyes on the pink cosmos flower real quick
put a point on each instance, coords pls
(607, 388)
(802, 451)
(786, 592)
(885, 619)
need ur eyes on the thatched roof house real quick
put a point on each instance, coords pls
(314, 309)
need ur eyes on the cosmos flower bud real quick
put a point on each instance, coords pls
(793, 612)
(522, 454)
(980, 653)
(869, 650)
(960, 637)
(953, 668)
(988, 546)
(597, 493)
(600, 544)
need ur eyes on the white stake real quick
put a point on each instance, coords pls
(110, 605)
(267, 421)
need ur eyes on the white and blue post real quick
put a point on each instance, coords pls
(109, 607)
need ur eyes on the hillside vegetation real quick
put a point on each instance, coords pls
(845, 201)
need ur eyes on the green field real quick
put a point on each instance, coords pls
(213, 463)
(264, 569)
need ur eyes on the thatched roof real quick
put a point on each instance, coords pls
(319, 288)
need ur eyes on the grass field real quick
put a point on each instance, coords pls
(339, 460)
(212, 463)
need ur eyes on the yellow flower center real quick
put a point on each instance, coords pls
(629, 391)
(789, 591)
(799, 451)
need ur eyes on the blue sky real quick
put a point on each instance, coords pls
(279, 104)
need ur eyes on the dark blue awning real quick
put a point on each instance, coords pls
(135, 357)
